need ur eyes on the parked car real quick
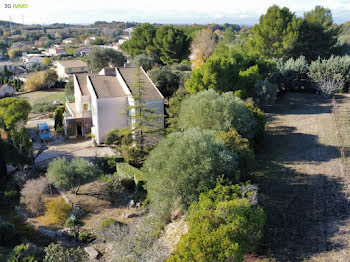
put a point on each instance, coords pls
(44, 132)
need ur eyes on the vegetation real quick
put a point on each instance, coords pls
(183, 165)
(56, 212)
(69, 175)
(26, 253)
(59, 119)
(226, 223)
(7, 233)
(146, 61)
(127, 171)
(105, 57)
(56, 252)
(165, 80)
(43, 107)
(40, 80)
(220, 112)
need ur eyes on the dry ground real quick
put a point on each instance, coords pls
(303, 186)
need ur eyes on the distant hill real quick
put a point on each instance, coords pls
(7, 23)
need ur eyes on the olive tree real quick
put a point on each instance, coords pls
(183, 165)
(220, 112)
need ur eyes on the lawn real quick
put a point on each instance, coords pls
(48, 95)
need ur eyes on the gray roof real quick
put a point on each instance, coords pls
(82, 81)
(129, 75)
(72, 63)
(106, 86)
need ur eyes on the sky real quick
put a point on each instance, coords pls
(245, 12)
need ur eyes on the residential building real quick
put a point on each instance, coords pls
(90, 40)
(18, 45)
(101, 102)
(10, 65)
(56, 50)
(41, 41)
(6, 90)
(66, 68)
(29, 59)
(83, 50)
(129, 30)
(68, 40)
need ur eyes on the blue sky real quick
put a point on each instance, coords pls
(161, 11)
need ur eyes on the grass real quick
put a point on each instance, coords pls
(48, 96)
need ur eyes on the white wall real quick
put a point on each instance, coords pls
(77, 96)
(111, 114)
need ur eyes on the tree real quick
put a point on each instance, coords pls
(229, 36)
(100, 41)
(171, 43)
(59, 119)
(318, 34)
(67, 175)
(277, 33)
(5, 72)
(146, 61)
(219, 112)
(69, 90)
(56, 252)
(183, 165)
(13, 53)
(141, 41)
(50, 78)
(224, 225)
(165, 80)
(173, 111)
(47, 61)
(202, 47)
(42, 79)
(26, 253)
(105, 57)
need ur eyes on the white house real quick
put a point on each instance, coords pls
(10, 66)
(90, 40)
(29, 59)
(68, 40)
(6, 90)
(66, 68)
(101, 101)
(56, 50)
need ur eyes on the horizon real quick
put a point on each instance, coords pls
(156, 11)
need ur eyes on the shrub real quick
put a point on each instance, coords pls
(59, 118)
(42, 79)
(264, 93)
(7, 233)
(183, 165)
(108, 222)
(26, 253)
(56, 212)
(86, 237)
(11, 192)
(225, 224)
(220, 112)
(31, 194)
(69, 222)
(118, 137)
(56, 252)
(259, 133)
(107, 164)
(166, 81)
(69, 90)
(43, 107)
(235, 143)
(128, 171)
(144, 60)
(69, 175)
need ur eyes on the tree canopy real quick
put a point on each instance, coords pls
(105, 57)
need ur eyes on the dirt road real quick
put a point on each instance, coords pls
(302, 181)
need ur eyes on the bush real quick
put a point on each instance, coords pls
(31, 194)
(26, 253)
(56, 252)
(260, 119)
(56, 212)
(69, 90)
(43, 107)
(86, 237)
(11, 191)
(107, 222)
(235, 143)
(128, 171)
(69, 222)
(166, 81)
(107, 164)
(7, 233)
(183, 165)
(68, 175)
(144, 60)
(59, 118)
(220, 112)
(264, 93)
(42, 79)
(118, 137)
(224, 225)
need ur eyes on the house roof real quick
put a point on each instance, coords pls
(3, 87)
(106, 86)
(82, 81)
(129, 75)
(72, 63)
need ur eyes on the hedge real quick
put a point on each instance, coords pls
(125, 170)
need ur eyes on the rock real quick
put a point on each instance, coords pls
(131, 203)
(138, 204)
(133, 214)
(92, 252)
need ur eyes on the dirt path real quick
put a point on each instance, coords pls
(303, 183)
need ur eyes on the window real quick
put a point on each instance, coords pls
(86, 107)
(69, 69)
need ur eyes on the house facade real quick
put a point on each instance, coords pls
(30, 59)
(66, 68)
(101, 101)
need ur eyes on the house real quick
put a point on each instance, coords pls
(29, 59)
(6, 90)
(129, 30)
(83, 50)
(56, 50)
(66, 68)
(10, 66)
(41, 41)
(89, 40)
(18, 45)
(68, 40)
(101, 102)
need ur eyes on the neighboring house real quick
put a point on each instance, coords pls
(10, 66)
(41, 41)
(24, 76)
(129, 30)
(90, 40)
(29, 59)
(66, 68)
(101, 101)
(6, 90)
(83, 51)
(17, 70)
(56, 50)
(68, 40)
(18, 45)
